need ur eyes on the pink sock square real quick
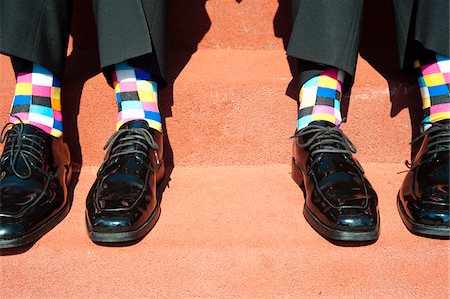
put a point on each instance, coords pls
(430, 69)
(44, 128)
(439, 108)
(447, 77)
(57, 115)
(43, 91)
(323, 109)
(22, 115)
(127, 86)
(24, 78)
(149, 106)
(331, 72)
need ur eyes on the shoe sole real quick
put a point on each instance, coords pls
(419, 228)
(40, 231)
(123, 237)
(107, 238)
(326, 231)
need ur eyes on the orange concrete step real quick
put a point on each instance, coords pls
(231, 232)
(229, 107)
(227, 24)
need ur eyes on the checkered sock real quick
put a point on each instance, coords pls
(37, 100)
(136, 95)
(320, 98)
(434, 83)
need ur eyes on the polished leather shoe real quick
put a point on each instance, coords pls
(34, 174)
(423, 199)
(122, 205)
(340, 203)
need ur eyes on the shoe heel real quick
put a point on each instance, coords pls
(160, 173)
(69, 174)
(297, 175)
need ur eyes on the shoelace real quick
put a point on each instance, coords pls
(330, 140)
(17, 147)
(325, 140)
(439, 141)
(127, 139)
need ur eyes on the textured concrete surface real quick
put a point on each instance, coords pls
(227, 232)
(232, 223)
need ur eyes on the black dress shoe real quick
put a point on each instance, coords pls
(34, 174)
(423, 200)
(340, 203)
(122, 204)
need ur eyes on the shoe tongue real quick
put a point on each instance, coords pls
(322, 123)
(441, 136)
(21, 166)
(135, 124)
(314, 133)
(445, 122)
(32, 130)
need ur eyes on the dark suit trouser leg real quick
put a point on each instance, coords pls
(132, 30)
(421, 25)
(326, 33)
(36, 31)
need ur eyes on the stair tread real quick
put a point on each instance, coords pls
(231, 231)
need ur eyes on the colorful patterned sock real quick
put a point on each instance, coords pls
(320, 98)
(434, 83)
(37, 100)
(136, 95)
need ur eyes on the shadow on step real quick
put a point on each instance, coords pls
(282, 26)
(378, 46)
(188, 22)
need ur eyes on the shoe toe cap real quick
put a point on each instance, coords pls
(10, 231)
(357, 222)
(107, 223)
(429, 213)
(116, 221)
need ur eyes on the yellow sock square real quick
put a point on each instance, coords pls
(23, 89)
(434, 79)
(325, 81)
